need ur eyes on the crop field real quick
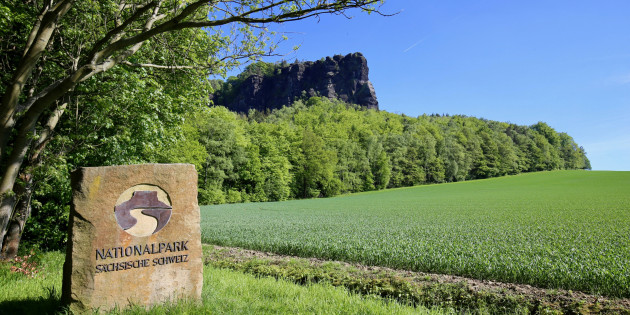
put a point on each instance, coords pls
(563, 229)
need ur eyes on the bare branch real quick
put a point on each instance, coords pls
(35, 30)
(150, 65)
(178, 23)
(119, 31)
(46, 134)
(31, 100)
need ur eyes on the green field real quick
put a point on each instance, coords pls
(562, 229)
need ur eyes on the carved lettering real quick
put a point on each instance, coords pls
(125, 265)
(100, 253)
(137, 250)
(140, 250)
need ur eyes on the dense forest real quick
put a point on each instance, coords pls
(322, 148)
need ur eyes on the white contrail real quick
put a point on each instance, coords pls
(414, 45)
(437, 30)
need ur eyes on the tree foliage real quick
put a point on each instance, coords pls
(116, 66)
(321, 148)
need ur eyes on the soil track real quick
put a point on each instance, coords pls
(554, 296)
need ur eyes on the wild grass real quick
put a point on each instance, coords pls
(224, 292)
(562, 229)
(35, 293)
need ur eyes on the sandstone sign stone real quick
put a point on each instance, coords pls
(134, 237)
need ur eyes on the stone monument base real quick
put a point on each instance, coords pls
(134, 237)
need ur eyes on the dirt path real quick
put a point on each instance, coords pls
(554, 296)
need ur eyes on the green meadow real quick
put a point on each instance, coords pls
(561, 229)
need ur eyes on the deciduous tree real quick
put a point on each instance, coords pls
(51, 46)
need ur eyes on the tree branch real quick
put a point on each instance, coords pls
(37, 104)
(35, 30)
(39, 42)
(120, 29)
(46, 134)
(176, 23)
(150, 65)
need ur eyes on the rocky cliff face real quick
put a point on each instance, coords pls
(341, 77)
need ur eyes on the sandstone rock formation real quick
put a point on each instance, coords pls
(341, 77)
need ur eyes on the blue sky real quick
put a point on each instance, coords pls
(566, 63)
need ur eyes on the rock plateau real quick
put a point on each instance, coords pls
(339, 77)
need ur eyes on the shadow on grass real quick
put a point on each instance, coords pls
(42, 305)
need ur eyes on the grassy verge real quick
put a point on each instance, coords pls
(36, 291)
(225, 292)
(409, 288)
(556, 230)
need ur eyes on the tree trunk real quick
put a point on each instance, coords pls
(28, 121)
(37, 42)
(6, 206)
(24, 192)
(9, 191)
(10, 173)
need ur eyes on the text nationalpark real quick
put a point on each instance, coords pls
(141, 250)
